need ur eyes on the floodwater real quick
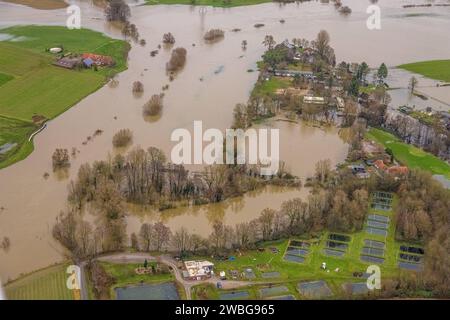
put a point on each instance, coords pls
(31, 203)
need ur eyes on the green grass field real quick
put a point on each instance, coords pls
(46, 284)
(4, 78)
(291, 273)
(271, 86)
(409, 155)
(30, 85)
(435, 69)
(213, 3)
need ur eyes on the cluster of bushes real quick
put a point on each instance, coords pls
(177, 59)
(214, 34)
(122, 138)
(154, 106)
(168, 38)
(60, 159)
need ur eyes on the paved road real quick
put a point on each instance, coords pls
(167, 260)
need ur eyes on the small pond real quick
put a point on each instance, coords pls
(160, 291)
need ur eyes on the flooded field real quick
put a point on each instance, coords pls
(31, 203)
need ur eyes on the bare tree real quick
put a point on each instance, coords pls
(182, 240)
(161, 235)
(146, 236)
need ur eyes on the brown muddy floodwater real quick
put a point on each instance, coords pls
(31, 203)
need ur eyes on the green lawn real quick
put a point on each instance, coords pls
(270, 86)
(435, 69)
(291, 273)
(30, 85)
(46, 284)
(4, 78)
(213, 3)
(409, 155)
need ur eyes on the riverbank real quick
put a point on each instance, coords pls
(36, 89)
(435, 69)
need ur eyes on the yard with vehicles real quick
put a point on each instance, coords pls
(409, 155)
(33, 90)
(46, 284)
(435, 69)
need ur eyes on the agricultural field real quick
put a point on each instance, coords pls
(435, 69)
(269, 264)
(46, 284)
(213, 3)
(33, 90)
(409, 155)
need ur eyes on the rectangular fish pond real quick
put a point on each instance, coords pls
(273, 291)
(339, 237)
(159, 291)
(380, 232)
(234, 295)
(315, 289)
(374, 244)
(293, 258)
(297, 251)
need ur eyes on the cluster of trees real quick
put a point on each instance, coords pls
(117, 10)
(60, 159)
(214, 34)
(122, 138)
(168, 38)
(177, 59)
(154, 106)
(138, 87)
(5, 244)
(258, 107)
(145, 177)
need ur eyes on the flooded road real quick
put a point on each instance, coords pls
(31, 202)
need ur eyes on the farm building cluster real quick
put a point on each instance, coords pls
(85, 60)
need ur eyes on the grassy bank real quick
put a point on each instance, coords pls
(32, 88)
(436, 69)
(409, 155)
(213, 3)
(46, 284)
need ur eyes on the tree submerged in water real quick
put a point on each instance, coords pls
(60, 159)
(117, 10)
(177, 60)
(154, 106)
